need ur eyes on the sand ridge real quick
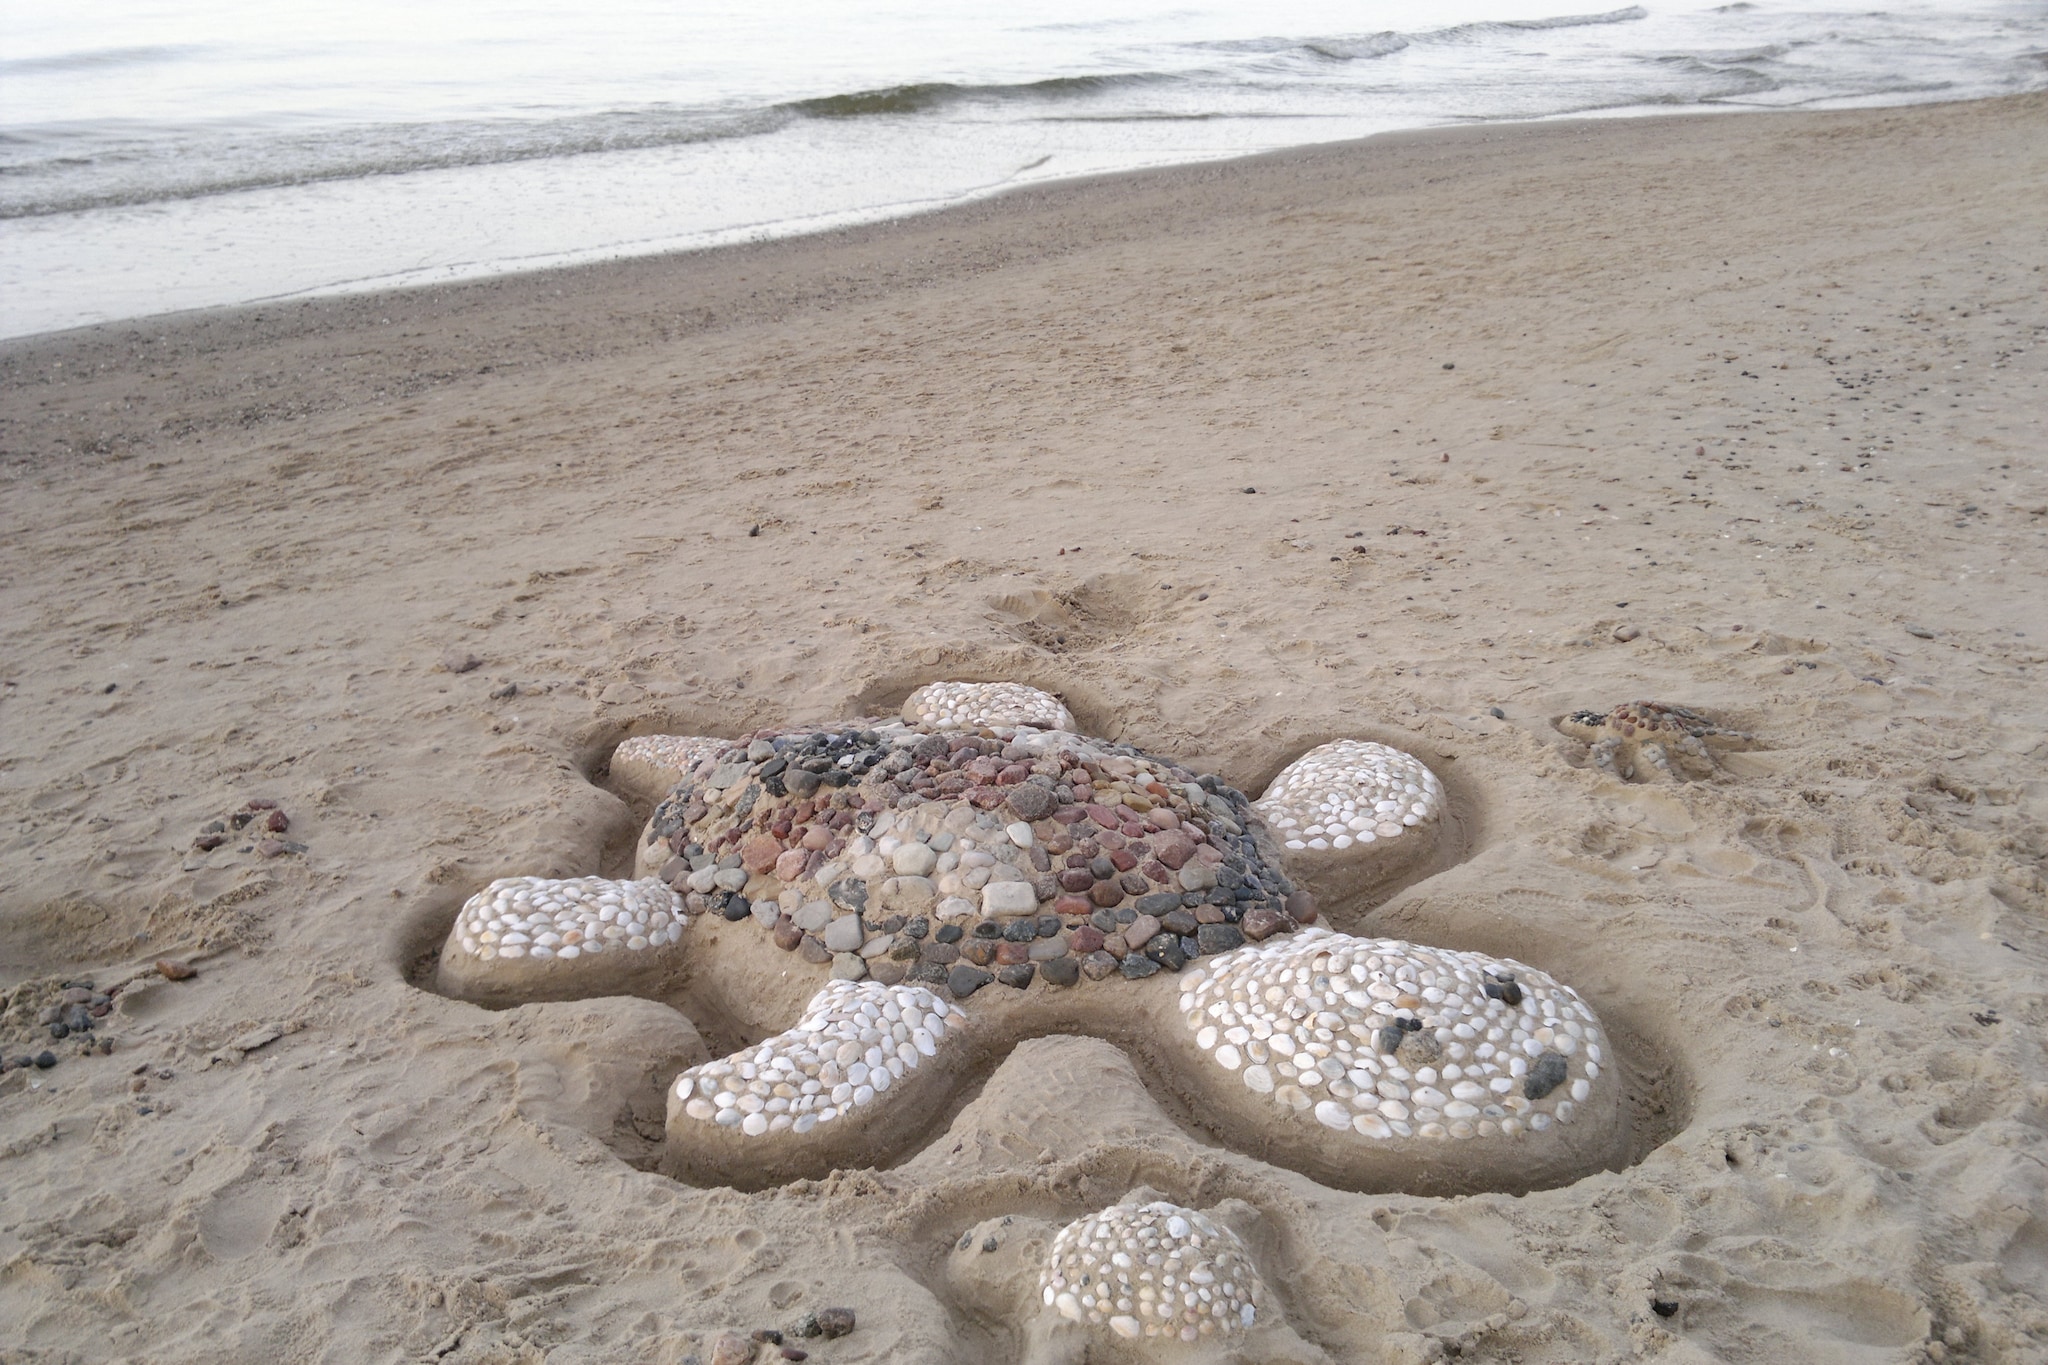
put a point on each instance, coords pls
(1759, 393)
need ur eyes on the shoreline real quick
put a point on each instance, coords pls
(640, 290)
(1436, 439)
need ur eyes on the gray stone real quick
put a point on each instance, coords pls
(760, 751)
(878, 945)
(964, 980)
(726, 775)
(813, 916)
(914, 860)
(1547, 1075)
(1099, 964)
(1046, 949)
(1008, 898)
(845, 934)
(1031, 801)
(1060, 971)
(848, 967)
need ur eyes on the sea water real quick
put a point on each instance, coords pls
(158, 156)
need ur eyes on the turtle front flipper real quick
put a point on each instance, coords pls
(984, 705)
(540, 938)
(645, 767)
(858, 1077)
(1352, 816)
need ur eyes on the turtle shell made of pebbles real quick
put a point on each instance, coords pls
(954, 858)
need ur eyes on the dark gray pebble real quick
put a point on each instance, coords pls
(964, 981)
(1547, 1075)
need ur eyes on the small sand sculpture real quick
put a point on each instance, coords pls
(1641, 741)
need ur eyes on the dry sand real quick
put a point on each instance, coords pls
(1763, 394)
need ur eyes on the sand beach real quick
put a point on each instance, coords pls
(1433, 439)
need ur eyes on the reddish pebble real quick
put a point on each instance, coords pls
(1106, 894)
(760, 852)
(1072, 905)
(1085, 940)
(170, 969)
(1263, 923)
(1123, 859)
(262, 803)
(278, 822)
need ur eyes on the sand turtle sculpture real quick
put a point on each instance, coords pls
(886, 906)
(1643, 741)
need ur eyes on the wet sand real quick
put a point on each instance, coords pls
(1741, 413)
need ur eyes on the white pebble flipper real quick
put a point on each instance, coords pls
(648, 765)
(863, 1071)
(539, 938)
(1350, 793)
(984, 705)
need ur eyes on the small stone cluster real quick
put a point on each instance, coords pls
(973, 706)
(855, 1040)
(1350, 792)
(1153, 1270)
(540, 918)
(1395, 1040)
(958, 858)
(269, 821)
